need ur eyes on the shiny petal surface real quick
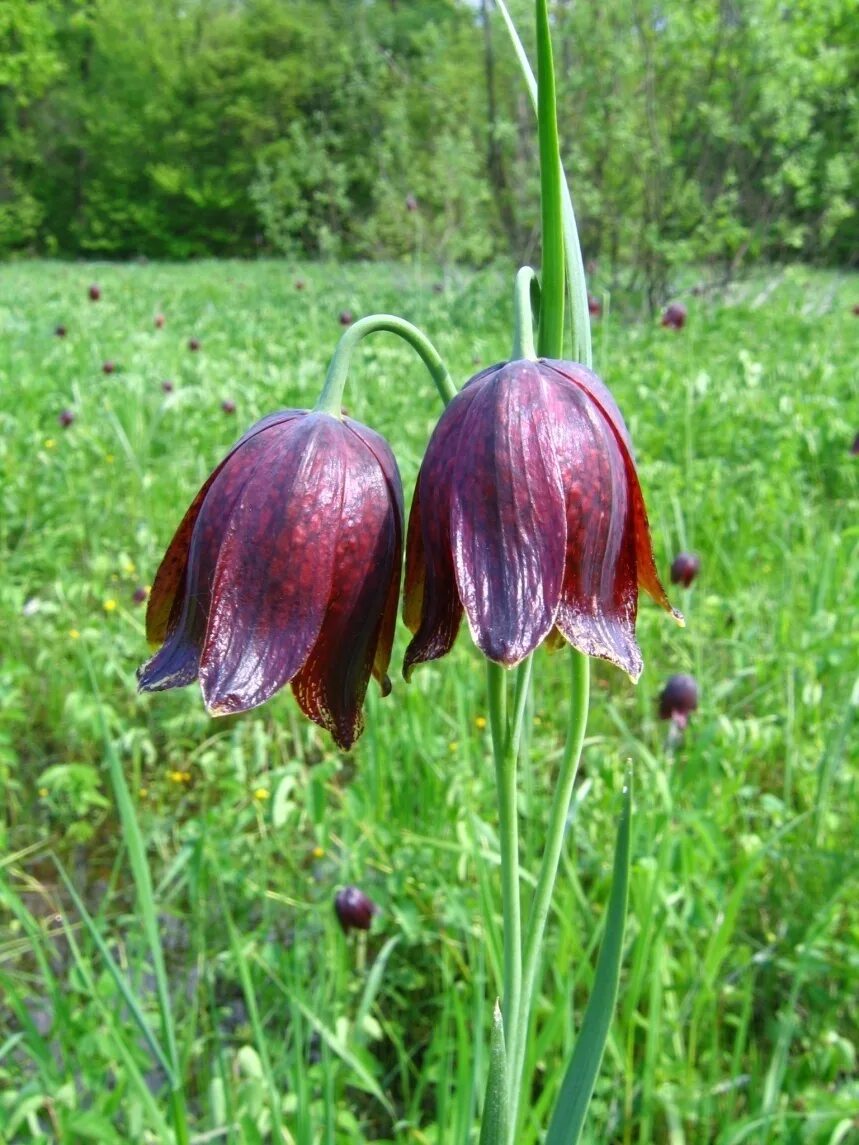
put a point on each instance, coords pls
(431, 607)
(587, 381)
(508, 514)
(189, 577)
(276, 565)
(331, 685)
(170, 578)
(600, 593)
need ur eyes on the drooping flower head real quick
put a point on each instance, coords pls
(678, 699)
(286, 568)
(354, 909)
(529, 518)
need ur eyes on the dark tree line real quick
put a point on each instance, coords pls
(721, 130)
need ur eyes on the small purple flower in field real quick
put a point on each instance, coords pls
(140, 594)
(528, 517)
(411, 203)
(346, 318)
(285, 569)
(855, 447)
(674, 316)
(65, 417)
(856, 310)
(354, 909)
(685, 568)
(194, 344)
(438, 288)
(228, 405)
(167, 386)
(678, 699)
(159, 321)
(594, 306)
(299, 284)
(60, 331)
(94, 292)
(108, 367)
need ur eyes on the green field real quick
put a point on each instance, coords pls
(738, 1018)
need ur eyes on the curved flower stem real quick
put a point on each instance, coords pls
(331, 398)
(558, 816)
(508, 833)
(523, 318)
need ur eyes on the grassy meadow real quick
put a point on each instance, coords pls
(738, 1014)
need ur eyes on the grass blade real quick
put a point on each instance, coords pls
(578, 1084)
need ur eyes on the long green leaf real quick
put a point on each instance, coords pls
(580, 1078)
(551, 333)
(581, 323)
(493, 1128)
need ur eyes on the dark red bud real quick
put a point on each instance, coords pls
(855, 449)
(856, 309)
(411, 203)
(167, 386)
(594, 306)
(94, 292)
(591, 266)
(109, 367)
(354, 909)
(228, 406)
(678, 698)
(346, 318)
(159, 321)
(685, 568)
(66, 417)
(140, 594)
(60, 331)
(674, 316)
(194, 344)
(299, 284)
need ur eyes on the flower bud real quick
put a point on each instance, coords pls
(354, 909)
(678, 699)
(94, 292)
(65, 418)
(685, 568)
(674, 316)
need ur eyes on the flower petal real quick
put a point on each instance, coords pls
(508, 518)
(276, 565)
(165, 599)
(176, 663)
(591, 384)
(599, 600)
(431, 606)
(331, 686)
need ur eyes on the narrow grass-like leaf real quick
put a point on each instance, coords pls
(493, 1128)
(582, 348)
(118, 976)
(373, 984)
(551, 334)
(569, 1116)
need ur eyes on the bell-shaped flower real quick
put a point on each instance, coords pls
(285, 569)
(528, 516)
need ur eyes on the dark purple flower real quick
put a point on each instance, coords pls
(678, 699)
(108, 367)
(855, 447)
(685, 568)
(65, 417)
(167, 386)
(286, 568)
(159, 321)
(60, 331)
(856, 309)
(594, 306)
(94, 292)
(346, 318)
(299, 284)
(194, 344)
(528, 516)
(674, 316)
(140, 594)
(411, 203)
(354, 909)
(228, 405)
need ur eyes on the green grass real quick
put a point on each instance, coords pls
(737, 1017)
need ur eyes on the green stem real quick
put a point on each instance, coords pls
(508, 833)
(331, 398)
(558, 816)
(551, 221)
(523, 319)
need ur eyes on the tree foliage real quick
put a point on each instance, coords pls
(720, 130)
